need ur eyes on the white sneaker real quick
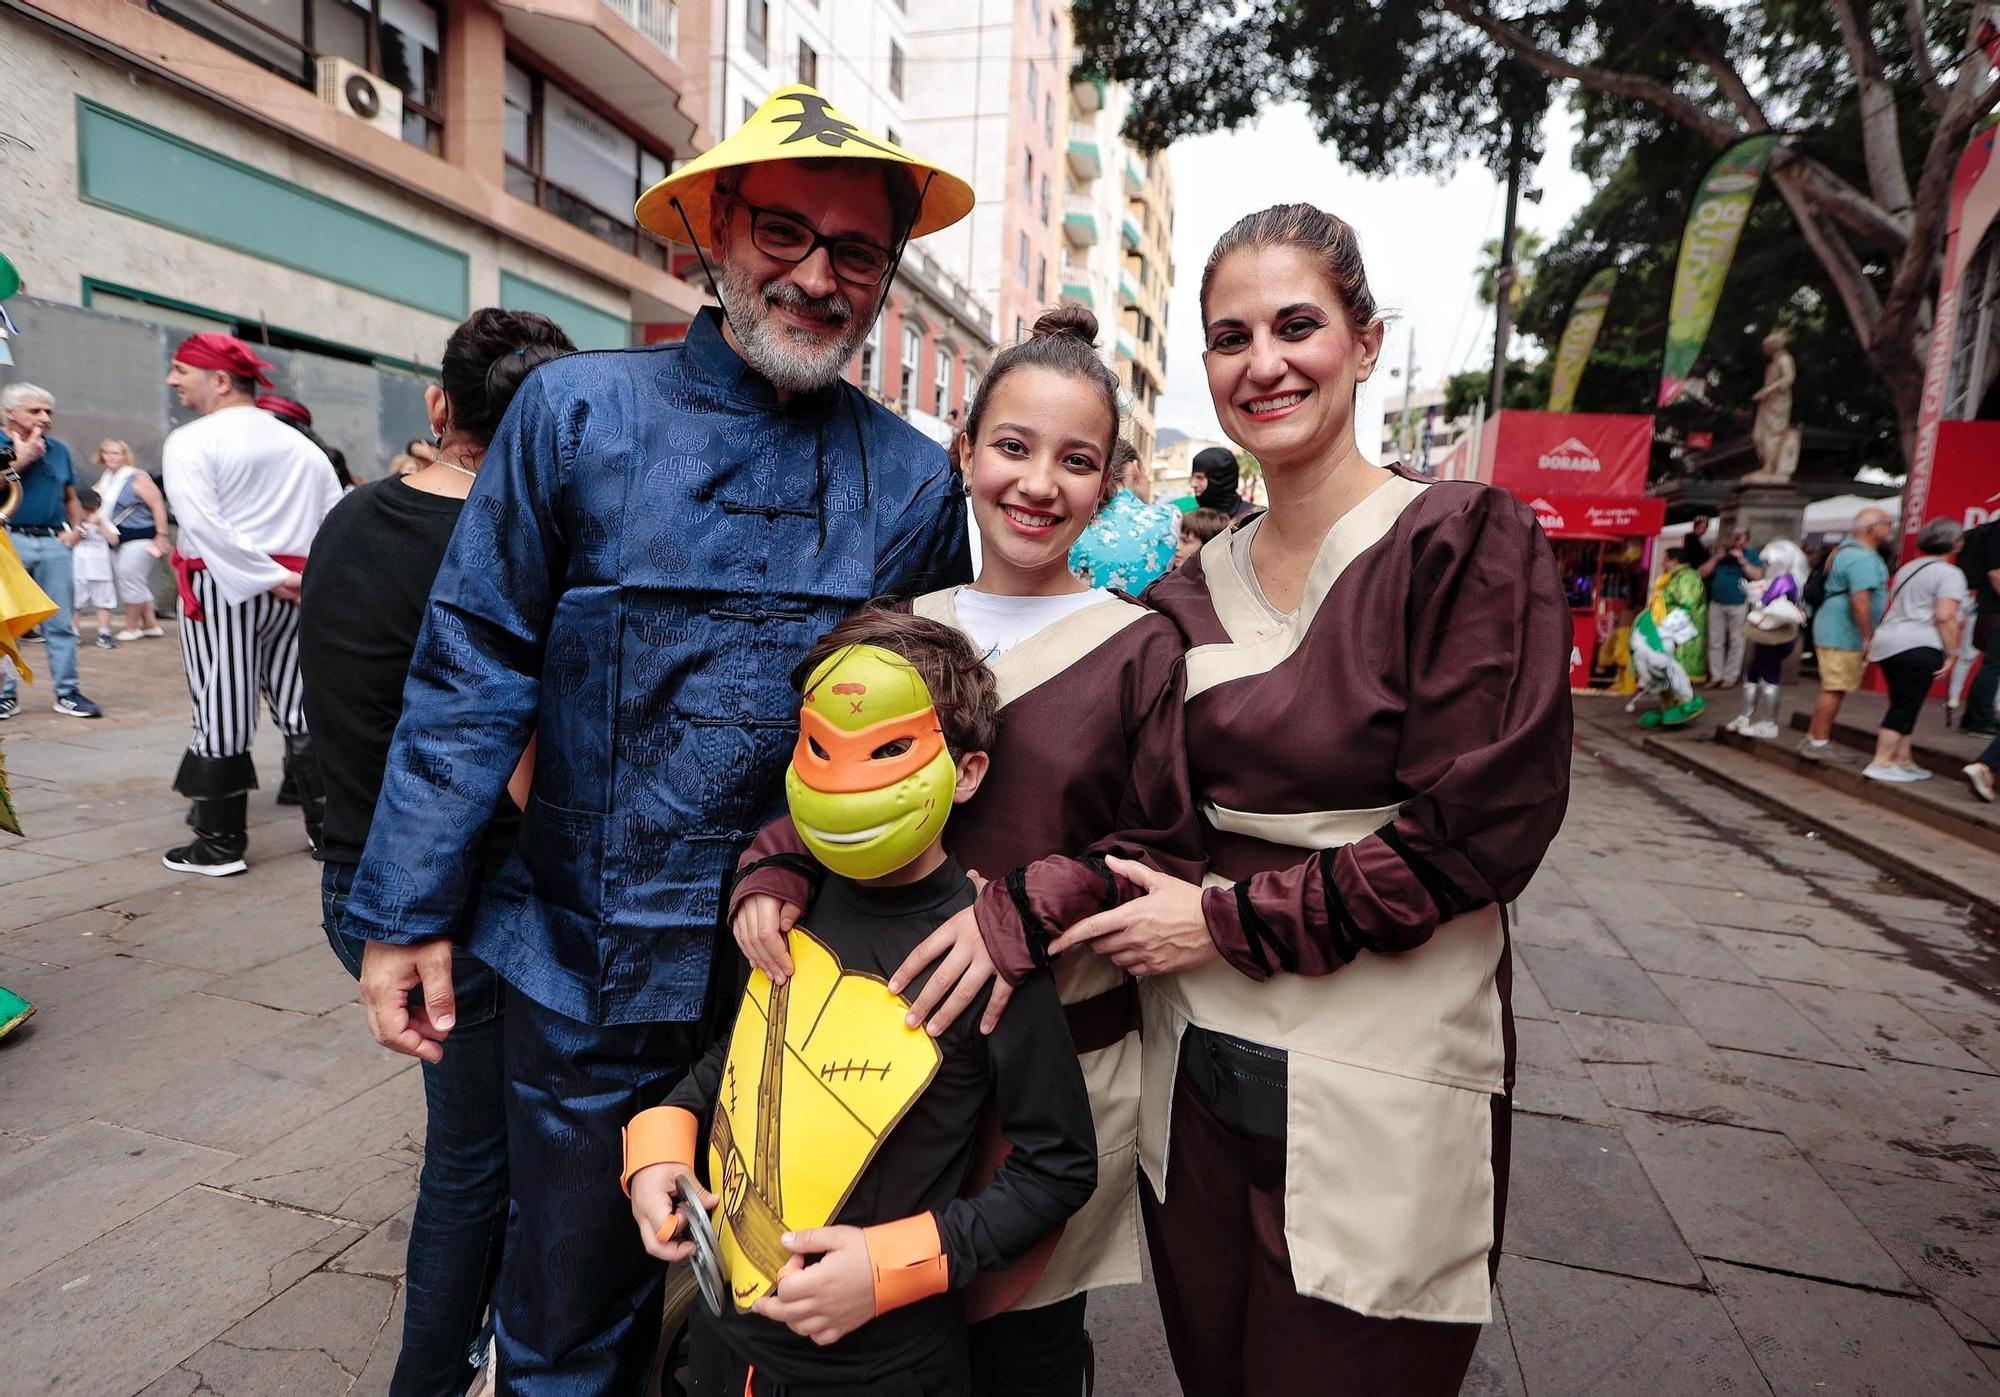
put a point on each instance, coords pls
(124, 636)
(1982, 781)
(1767, 729)
(1739, 724)
(1878, 772)
(152, 633)
(1914, 773)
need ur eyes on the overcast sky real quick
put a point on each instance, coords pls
(1420, 240)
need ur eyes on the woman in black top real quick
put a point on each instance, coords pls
(374, 561)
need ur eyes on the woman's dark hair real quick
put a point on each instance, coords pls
(485, 360)
(1065, 340)
(1327, 239)
(962, 688)
(338, 459)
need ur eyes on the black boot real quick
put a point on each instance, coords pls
(309, 791)
(219, 838)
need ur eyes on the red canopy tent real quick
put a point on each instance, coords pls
(1584, 475)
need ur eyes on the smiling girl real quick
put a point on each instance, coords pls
(1088, 758)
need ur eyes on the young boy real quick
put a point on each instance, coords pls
(1198, 526)
(842, 1136)
(91, 569)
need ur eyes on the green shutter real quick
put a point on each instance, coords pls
(154, 175)
(590, 327)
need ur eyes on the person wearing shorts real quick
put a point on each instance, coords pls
(1857, 585)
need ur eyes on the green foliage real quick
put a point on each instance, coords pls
(1527, 386)
(1528, 246)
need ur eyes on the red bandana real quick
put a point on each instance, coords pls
(285, 408)
(209, 350)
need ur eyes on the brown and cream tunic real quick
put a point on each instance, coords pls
(1377, 773)
(1089, 760)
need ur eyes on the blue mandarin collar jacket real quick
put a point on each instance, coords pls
(652, 545)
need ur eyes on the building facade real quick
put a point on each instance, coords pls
(350, 178)
(934, 339)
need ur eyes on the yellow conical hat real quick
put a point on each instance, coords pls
(795, 124)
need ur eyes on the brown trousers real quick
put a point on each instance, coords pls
(1235, 1325)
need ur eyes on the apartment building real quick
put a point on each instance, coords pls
(351, 177)
(934, 339)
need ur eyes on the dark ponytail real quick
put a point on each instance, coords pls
(1064, 339)
(485, 361)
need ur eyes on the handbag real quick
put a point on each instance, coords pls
(1775, 624)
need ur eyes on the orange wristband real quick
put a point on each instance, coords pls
(662, 1135)
(907, 1259)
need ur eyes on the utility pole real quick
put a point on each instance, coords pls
(1503, 281)
(1409, 388)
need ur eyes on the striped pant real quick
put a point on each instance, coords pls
(233, 654)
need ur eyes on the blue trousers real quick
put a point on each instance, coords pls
(578, 1306)
(48, 562)
(461, 1217)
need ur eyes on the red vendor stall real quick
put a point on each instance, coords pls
(1584, 475)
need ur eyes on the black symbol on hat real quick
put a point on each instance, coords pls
(816, 121)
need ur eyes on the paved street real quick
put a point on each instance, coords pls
(1757, 1145)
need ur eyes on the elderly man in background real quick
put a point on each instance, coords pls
(44, 528)
(1857, 590)
(1725, 572)
(655, 539)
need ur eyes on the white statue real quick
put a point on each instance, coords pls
(1775, 438)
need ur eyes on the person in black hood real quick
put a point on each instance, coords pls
(1217, 465)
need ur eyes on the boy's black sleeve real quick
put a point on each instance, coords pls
(696, 1091)
(1044, 1112)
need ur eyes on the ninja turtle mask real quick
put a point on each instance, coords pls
(871, 781)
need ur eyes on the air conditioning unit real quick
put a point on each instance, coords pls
(351, 89)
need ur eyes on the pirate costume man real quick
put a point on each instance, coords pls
(657, 537)
(249, 494)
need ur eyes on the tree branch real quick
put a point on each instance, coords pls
(1733, 87)
(1881, 139)
(1864, 307)
(1920, 50)
(1845, 204)
(1618, 84)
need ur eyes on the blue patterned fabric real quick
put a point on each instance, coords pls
(653, 544)
(1127, 545)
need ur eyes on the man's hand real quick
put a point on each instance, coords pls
(759, 926)
(28, 446)
(655, 1191)
(388, 974)
(831, 1298)
(964, 971)
(1158, 933)
(288, 590)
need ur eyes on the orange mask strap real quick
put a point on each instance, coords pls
(850, 765)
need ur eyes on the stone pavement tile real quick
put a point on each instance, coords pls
(1946, 1237)
(1878, 1028)
(1841, 1116)
(1990, 1357)
(1705, 1093)
(308, 981)
(83, 1072)
(1528, 1000)
(228, 925)
(1587, 1334)
(83, 885)
(1564, 928)
(71, 817)
(1621, 896)
(1680, 948)
(388, 1346)
(66, 941)
(109, 987)
(1978, 1034)
(1550, 886)
(383, 1252)
(1495, 1371)
(356, 1160)
(1778, 955)
(315, 1338)
(1548, 1079)
(1611, 986)
(17, 865)
(78, 1184)
(1577, 1195)
(1810, 1337)
(1748, 1196)
(1960, 1112)
(1754, 1017)
(1716, 907)
(255, 1097)
(112, 1316)
(1598, 1039)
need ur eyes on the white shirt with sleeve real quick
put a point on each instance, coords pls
(245, 489)
(999, 623)
(1910, 623)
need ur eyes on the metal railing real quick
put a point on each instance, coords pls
(658, 20)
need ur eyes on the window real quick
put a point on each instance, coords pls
(1049, 117)
(941, 384)
(1034, 85)
(971, 382)
(1020, 329)
(913, 345)
(749, 110)
(808, 65)
(1045, 196)
(756, 26)
(895, 67)
(1042, 278)
(573, 161)
(1035, 13)
(890, 132)
(871, 358)
(398, 40)
(1028, 174)
(1021, 256)
(1055, 38)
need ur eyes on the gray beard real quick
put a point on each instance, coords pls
(789, 360)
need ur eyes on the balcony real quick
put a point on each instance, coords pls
(1084, 160)
(1135, 178)
(1080, 222)
(628, 47)
(1128, 294)
(1125, 350)
(1129, 230)
(1080, 292)
(658, 21)
(1087, 93)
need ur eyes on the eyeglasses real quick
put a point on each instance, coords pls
(787, 239)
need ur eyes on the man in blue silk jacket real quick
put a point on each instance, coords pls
(656, 537)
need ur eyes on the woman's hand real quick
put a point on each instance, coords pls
(759, 927)
(655, 1189)
(966, 969)
(831, 1298)
(1158, 933)
(156, 548)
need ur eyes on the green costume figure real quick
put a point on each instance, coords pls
(1659, 638)
(1680, 586)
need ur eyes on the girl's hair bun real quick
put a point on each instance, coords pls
(1070, 319)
